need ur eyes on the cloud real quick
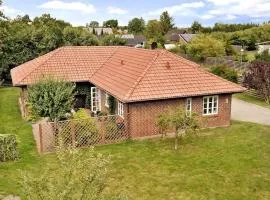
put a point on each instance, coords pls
(117, 11)
(11, 12)
(231, 9)
(184, 9)
(69, 6)
(207, 16)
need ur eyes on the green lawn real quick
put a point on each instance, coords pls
(224, 163)
(251, 99)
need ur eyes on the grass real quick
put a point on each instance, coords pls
(224, 163)
(251, 99)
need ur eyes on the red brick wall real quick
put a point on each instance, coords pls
(142, 116)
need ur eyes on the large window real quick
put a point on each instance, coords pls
(210, 105)
(95, 100)
(120, 109)
(189, 106)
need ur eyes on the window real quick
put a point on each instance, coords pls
(120, 109)
(107, 96)
(210, 105)
(188, 106)
(95, 100)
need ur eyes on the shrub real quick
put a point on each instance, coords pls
(8, 151)
(51, 98)
(226, 73)
(264, 56)
(204, 46)
(75, 174)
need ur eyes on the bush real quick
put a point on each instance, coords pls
(226, 73)
(74, 174)
(204, 46)
(264, 56)
(8, 149)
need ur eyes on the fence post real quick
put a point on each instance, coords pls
(72, 130)
(40, 138)
(102, 131)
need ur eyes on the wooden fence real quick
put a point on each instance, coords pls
(79, 133)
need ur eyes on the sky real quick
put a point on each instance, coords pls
(207, 12)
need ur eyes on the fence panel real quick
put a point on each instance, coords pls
(80, 133)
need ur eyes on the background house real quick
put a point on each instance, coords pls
(137, 41)
(144, 83)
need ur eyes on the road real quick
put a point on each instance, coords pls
(244, 111)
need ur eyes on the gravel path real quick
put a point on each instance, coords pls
(244, 111)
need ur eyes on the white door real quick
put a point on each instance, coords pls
(95, 99)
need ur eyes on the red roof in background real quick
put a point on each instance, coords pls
(130, 74)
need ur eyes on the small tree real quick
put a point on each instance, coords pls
(166, 22)
(51, 98)
(75, 174)
(180, 121)
(258, 77)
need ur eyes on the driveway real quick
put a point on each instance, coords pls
(244, 111)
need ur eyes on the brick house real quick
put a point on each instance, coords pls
(143, 82)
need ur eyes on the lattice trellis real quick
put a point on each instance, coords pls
(80, 133)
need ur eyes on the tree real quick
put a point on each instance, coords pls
(196, 27)
(75, 174)
(153, 32)
(179, 120)
(166, 22)
(93, 24)
(203, 46)
(258, 77)
(136, 25)
(1, 13)
(112, 23)
(112, 40)
(51, 98)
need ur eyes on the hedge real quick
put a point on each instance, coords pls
(8, 149)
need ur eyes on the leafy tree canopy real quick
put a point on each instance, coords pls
(112, 40)
(203, 46)
(136, 25)
(166, 22)
(112, 23)
(153, 32)
(93, 24)
(196, 27)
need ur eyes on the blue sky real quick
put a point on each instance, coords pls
(79, 12)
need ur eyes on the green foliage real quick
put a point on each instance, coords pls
(196, 27)
(8, 151)
(264, 56)
(80, 114)
(226, 73)
(112, 105)
(93, 24)
(204, 46)
(75, 174)
(183, 123)
(78, 36)
(136, 25)
(112, 23)
(153, 32)
(51, 98)
(166, 22)
(112, 40)
(232, 27)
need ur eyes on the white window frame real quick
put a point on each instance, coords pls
(214, 109)
(188, 106)
(107, 100)
(120, 109)
(95, 97)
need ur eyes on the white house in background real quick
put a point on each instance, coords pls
(262, 46)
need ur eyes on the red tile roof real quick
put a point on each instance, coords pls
(129, 74)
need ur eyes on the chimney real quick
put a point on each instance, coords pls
(122, 62)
